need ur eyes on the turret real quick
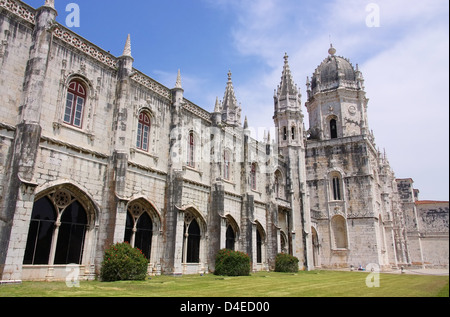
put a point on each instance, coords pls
(288, 115)
(231, 110)
(126, 60)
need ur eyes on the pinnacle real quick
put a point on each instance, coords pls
(127, 49)
(49, 3)
(178, 83)
(287, 84)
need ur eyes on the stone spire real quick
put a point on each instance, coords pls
(231, 110)
(178, 83)
(287, 86)
(127, 49)
(217, 107)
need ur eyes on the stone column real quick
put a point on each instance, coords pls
(16, 210)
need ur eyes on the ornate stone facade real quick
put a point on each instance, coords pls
(93, 152)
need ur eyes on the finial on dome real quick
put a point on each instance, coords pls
(332, 50)
(49, 3)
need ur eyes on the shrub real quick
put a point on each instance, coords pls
(123, 263)
(286, 263)
(232, 263)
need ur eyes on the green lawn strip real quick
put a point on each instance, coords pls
(302, 284)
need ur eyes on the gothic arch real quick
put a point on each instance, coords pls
(336, 184)
(339, 233)
(150, 208)
(143, 226)
(81, 78)
(284, 243)
(260, 237)
(228, 163)
(279, 184)
(332, 126)
(78, 191)
(70, 232)
(232, 222)
(192, 148)
(194, 240)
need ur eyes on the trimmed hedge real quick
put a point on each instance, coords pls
(232, 263)
(123, 263)
(286, 263)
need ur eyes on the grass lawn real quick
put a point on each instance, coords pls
(302, 284)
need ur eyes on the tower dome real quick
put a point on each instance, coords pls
(334, 72)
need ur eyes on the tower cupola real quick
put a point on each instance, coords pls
(337, 103)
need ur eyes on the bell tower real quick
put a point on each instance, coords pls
(288, 115)
(337, 103)
(288, 119)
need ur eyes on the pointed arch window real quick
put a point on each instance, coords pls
(279, 185)
(333, 129)
(143, 132)
(258, 246)
(192, 231)
(57, 231)
(230, 238)
(191, 150)
(139, 228)
(40, 233)
(337, 192)
(339, 232)
(75, 103)
(71, 235)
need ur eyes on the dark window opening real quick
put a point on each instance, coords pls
(230, 238)
(129, 228)
(144, 234)
(72, 232)
(193, 243)
(333, 129)
(191, 150)
(258, 247)
(336, 188)
(40, 233)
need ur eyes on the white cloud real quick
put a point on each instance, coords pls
(405, 62)
(409, 94)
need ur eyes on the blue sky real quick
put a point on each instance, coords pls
(405, 60)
